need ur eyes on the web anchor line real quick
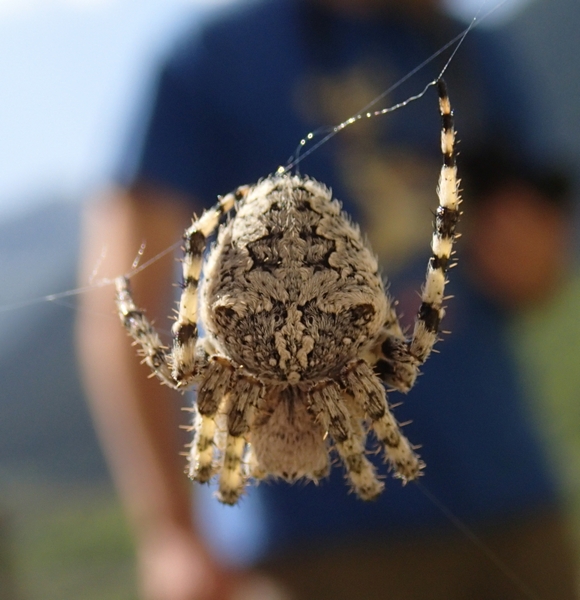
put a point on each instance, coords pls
(517, 581)
(365, 112)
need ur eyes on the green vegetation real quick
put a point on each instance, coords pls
(67, 542)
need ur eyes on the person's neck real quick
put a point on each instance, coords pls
(418, 10)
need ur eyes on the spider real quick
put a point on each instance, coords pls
(299, 335)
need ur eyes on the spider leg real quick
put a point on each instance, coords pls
(211, 393)
(243, 400)
(183, 356)
(431, 311)
(328, 407)
(369, 393)
(398, 360)
(142, 331)
(185, 334)
(397, 366)
(392, 362)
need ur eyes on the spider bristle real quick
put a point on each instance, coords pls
(187, 427)
(374, 451)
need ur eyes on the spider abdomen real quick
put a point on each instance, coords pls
(292, 292)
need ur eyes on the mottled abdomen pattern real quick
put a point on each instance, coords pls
(295, 294)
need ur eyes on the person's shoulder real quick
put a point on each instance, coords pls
(247, 15)
(233, 27)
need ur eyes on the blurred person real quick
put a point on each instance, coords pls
(229, 105)
(521, 245)
(520, 228)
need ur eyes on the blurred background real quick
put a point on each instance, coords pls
(71, 73)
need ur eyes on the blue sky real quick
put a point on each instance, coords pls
(70, 73)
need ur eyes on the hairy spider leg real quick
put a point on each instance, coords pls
(211, 394)
(369, 393)
(142, 332)
(243, 401)
(326, 403)
(431, 311)
(399, 360)
(185, 333)
(182, 358)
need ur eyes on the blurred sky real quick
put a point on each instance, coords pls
(71, 72)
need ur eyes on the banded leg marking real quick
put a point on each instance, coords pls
(185, 328)
(327, 406)
(210, 396)
(142, 331)
(431, 311)
(232, 477)
(201, 454)
(369, 393)
(243, 400)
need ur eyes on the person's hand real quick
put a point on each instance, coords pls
(173, 566)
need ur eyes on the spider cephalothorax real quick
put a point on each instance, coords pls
(299, 336)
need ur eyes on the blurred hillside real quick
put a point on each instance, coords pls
(45, 428)
(62, 532)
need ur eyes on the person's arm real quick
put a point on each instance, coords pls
(137, 418)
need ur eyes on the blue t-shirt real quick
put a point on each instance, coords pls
(230, 106)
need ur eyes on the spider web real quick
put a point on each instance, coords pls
(306, 146)
(23, 323)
